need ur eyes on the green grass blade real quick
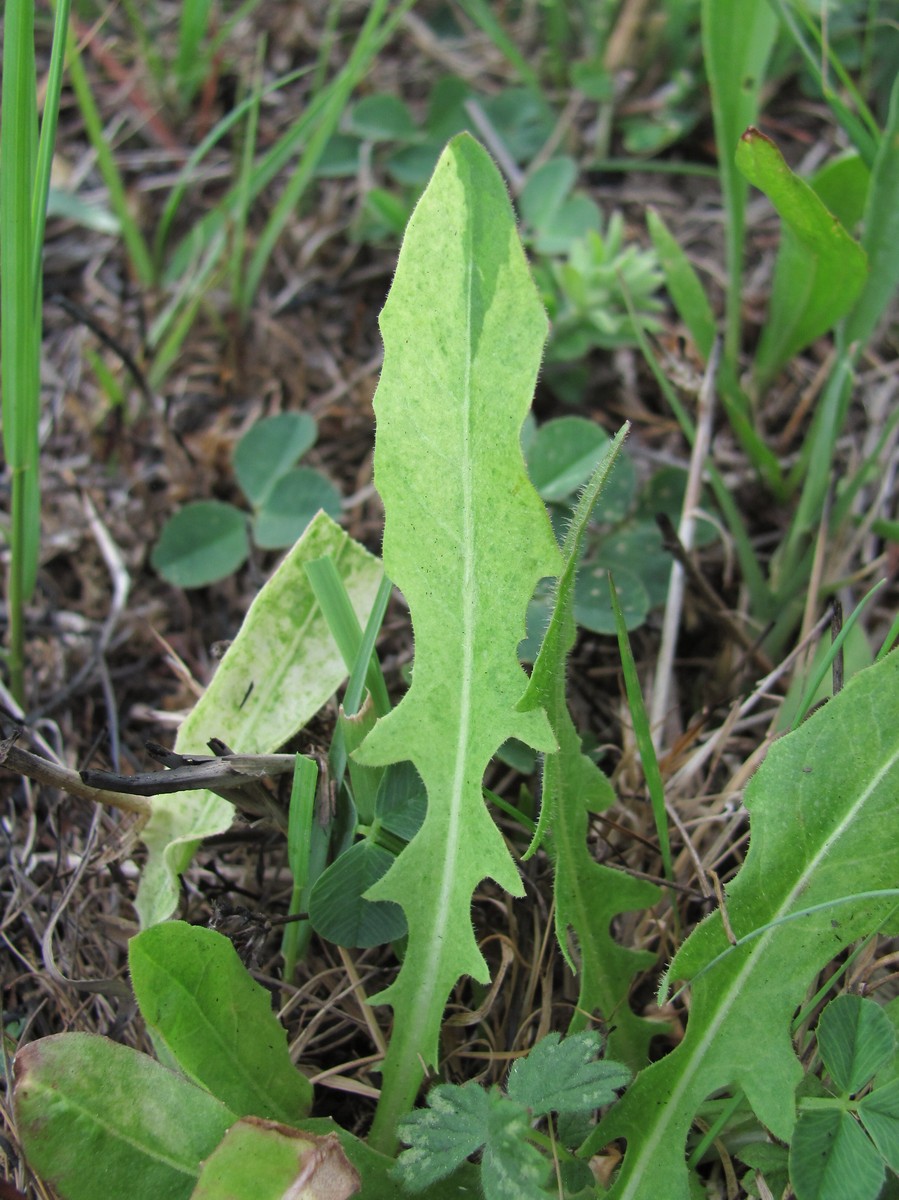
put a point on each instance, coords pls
(47, 139)
(684, 288)
(379, 22)
(824, 666)
(736, 51)
(483, 16)
(643, 733)
(20, 319)
(881, 235)
(863, 132)
(215, 135)
(137, 248)
(356, 648)
(300, 836)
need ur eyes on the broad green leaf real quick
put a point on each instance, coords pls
(588, 895)
(831, 1159)
(278, 672)
(202, 543)
(855, 1039)
(261, 1160)
(100, 1121)
(337, 907)
(820, 269)
(879, 1112)
(269, 449)
(291, 504)
(824, 828)
(565, 1076)
(466, 539)
(201, 1003)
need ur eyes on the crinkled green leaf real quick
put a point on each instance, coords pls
(824, 827)
(855, 1039)
(278, 672)
(588, 895)
(466, 539)
(512, 1167)
(443, 1135)
(200, 1001)
(565, 1076)
(99, 1121)
(831, 1159)
(820, 269)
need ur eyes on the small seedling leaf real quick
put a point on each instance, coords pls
(200, 1002)
(278, 672)
(855, 1039)
(879, 1113)
(820, 269)
(824, 827)
(261, 1160)
(268, 450)
(99, 1121)
(832, 1159)
(291, 504)
(337, 908)
(566, 1076)
(202, 543)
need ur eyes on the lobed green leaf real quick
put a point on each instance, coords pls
(565, 1076)
(824, 826)
(466, 539)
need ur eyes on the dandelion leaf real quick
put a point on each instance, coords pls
(588, 895)
(823, 861)
(466, 539)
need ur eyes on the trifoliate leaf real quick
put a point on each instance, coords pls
(443, 1135)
